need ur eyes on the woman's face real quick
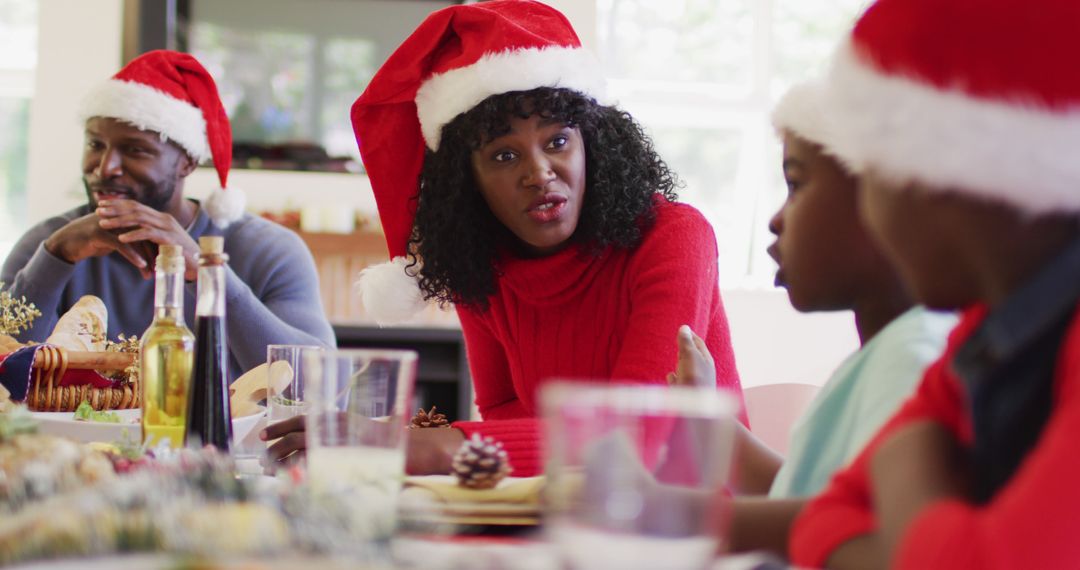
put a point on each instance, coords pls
(533, 180)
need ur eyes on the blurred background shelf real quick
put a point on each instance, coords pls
(442, 377)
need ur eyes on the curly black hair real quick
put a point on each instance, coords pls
(455, 236)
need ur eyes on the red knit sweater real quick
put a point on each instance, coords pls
(611, 318)
(1030, 523)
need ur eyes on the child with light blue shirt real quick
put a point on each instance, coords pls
(827, 262)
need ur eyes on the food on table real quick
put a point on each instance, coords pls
(6, 405)
(8, 344)
(64, 367)
(190, 502)
(83, 327)
(35, 466)
(86, 413)
(15, 420)
(116, 498)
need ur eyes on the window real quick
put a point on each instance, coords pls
(702, 76)
(289, 70)
(18, 59)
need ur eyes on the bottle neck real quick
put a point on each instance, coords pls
(211, 298)
(169, 295)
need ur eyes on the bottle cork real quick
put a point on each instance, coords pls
(170, 251)
(212, 244)
(170, 258)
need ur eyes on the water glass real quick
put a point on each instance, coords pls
(290, 402)
(356, 432)
(637, 474)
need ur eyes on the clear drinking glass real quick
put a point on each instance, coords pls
(637, 474)
(356, 432)
(286, 361)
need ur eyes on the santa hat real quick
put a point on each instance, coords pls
(803, 111)
(964, 96)
(171, 93)
(455, 59)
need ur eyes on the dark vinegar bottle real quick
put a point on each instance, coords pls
(209, 417)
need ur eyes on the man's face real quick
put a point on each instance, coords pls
(121, 161)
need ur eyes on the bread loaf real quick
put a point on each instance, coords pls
(83, 328)
(8, 344)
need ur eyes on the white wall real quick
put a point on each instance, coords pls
(775, 343)
(78, 47)
(331, 194)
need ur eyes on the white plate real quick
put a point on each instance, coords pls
(63, 424)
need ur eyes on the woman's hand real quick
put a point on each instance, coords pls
(430, 450)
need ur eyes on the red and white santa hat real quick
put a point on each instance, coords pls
(976, 97)
(804, 111)
(455, 59)
(172, 94)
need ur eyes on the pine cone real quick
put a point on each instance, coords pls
(430, 419)
(480, 463)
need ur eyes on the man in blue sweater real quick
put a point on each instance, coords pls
(147, 128)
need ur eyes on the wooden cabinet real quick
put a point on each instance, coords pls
(339, 259)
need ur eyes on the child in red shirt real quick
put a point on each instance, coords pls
(973, 190)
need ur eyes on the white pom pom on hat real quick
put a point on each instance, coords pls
(225, 207)
(389, 292)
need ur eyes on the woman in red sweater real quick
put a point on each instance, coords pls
(545, 217)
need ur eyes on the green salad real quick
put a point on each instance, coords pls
(86, 413)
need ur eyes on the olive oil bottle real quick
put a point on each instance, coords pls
(167, 354)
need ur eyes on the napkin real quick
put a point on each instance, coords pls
(16, 369)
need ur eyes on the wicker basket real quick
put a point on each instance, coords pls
(50, 364)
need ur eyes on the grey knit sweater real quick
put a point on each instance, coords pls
(272, 289)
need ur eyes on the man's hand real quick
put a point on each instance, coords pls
(695, 366)
(84, 237)
(137, 223)
(291, 441)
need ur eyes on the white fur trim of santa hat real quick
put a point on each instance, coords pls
(1007, 149)
(802, 111)
(447, 95)
(225, 206)
(390, 292)
(150, 110)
